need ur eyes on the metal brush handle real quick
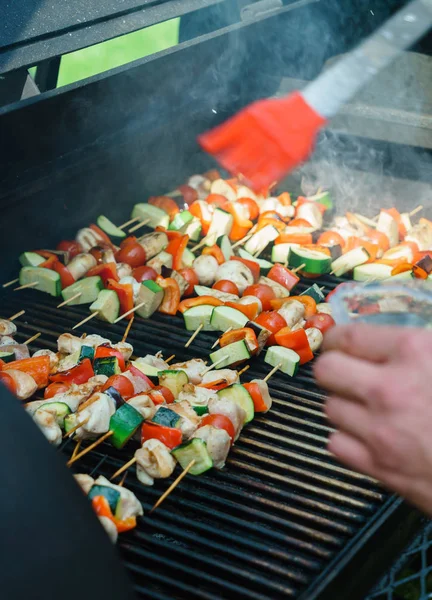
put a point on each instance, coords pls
(333, 88)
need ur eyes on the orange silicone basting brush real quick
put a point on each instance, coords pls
(269, 138)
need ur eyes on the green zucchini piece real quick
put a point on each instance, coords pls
(224, 244)
(31, 259)
(70, 422)
(106, 365)
(113, 496)
(406, 276)
(174, 380)
(323, 198)
(181, 221)
(47, 281)
(193, 229)
(145, 368)
(197, 315)
(7, 356)
(315, 262)
(109, 228)
(200, 410)
(281, 252)
(240, 396)
(221, 224)
(195, 449)
(350, 260)
(89, 288)
(152, 294)
(288, 359)
(107, 304)
(166, 417)
(265, 265)
(86, 352)
(261, 239)
(188, 257)
(124, 422)
(60, 409)
(157, 216)
(314, 292)
(224, 317)
(234, 353)
(372, 271)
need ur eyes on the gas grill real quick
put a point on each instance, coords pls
(283, 519)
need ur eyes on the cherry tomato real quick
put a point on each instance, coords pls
(8, 381)
(272, 321)
(321, 321)
(122, 384)
(192, 279)
(56, 388)
(97, 252)
(229, 287)
(220, 422)
(144, 273)
(129, 240)
(263, 292)
(189, 193)
(299, 223)
(70, 246)
(133, 254)
(165, 203)
(252, 207)
(331, 238)
(166, 393)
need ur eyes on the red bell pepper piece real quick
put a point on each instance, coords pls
(283, 276)
(256, 393)
(137, 373)
(169, 436)
(79, 374)
(251, 264)
(125, 294)
(176, 248)
(66, 276)
(171, 300)
(103, 351)
(171, 235)
(105, 271)
(50, 259)
(37, 366)
(295, 340)
(216, 252)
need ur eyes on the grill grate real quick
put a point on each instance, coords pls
(268, 524)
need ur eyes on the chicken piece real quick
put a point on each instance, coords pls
(154, 361)
(53, 358)
(80, 264)
(154, 461)
(20, 350)
(196, 396)
(99, 414)
(25, 384)
(279, 290)
(94, 340)
(193, 369)
(189, 419)
(205, 267)
(125, 348)
(123, 270)
(140, 384)
(68, 343)
(346, 229)
(237, 272)
(292, 311)
(218, 443)
(130, 506)
(110, 528)
(73, 397)
(47, 423)
(325, 308)
(88, 238)
(144, 405)
(315, 338)
(84, 481)
(223, 406)
(7, 327)
(229, 375)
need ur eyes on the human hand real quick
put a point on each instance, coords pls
(380, 385)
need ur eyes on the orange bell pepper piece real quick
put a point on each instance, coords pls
(36, 366)
(171, 299)
(241, 226)
(402, 268)
(379, 238)
(171, 235)
(214, 251)
(250, 310)
(198, 301)
(308, 302)
(245, 333)
(284, 199)
(294, 238)
(397, 217)
(176, 248)
(419, 273)
(102, 509)
(257, 399)
(263, 222)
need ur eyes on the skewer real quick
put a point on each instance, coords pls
(259, 252)
(321, 288)
(128, 328)
(365, 220)
(95, 314)
(123, 225)
(217, 341)
(10, 282)
(77, 447)
(135, 227)
(26, 285)
(298, 268)
(87, 403)
(123, 479)
(16, 315)
(173, 486)
(243, 370)
(214, 365)
(272, 372)
(170, 358)
(33, 338)
(202, 243)
(74, 297)
(124, 468)
(193, 336)
(89, 448)
(72, 431)
(242, 241)
(416, 210)
(129, 312)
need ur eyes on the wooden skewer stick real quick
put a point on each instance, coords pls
(123, 479)
(92, 316)
(416, 210)
(124, 468)
(217, 341)
(135, 227)
(8, 283)
(298, 268)
(259, 252)
(129, 312)
(26, 285)
(74, 297)
(243, 370)
(272, 372)
(193, 336)
(89, 448)
(173, 486)
(215, 364)
(93, 398)
(202, 243)
(33, 338)
(321, 288)
(76, 449)
(242, 241)
(16, 315)
(170, 358)
(77, 426)
(134, 220)
(128, 328)
(365, 220)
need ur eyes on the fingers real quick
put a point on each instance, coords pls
(351, 417)
(348, 377)
(352, 452)
(371, 343)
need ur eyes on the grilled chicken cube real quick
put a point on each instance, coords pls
(84, 481)
(229, 375)
(193, 369)
(154, 461)
(20, 350)
(224, 406)
(130, 506)
(25, 384)
(218, 443)
(144, 405)
(7, 327)
(53, 358)
(189, 419)
(47, 423)
(154, 361)
(125, 348)
(110, 528)
(196, 396)
(98, 414)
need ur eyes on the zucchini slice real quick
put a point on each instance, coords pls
(193, 230)
(195, 449)
(152, 294)
(221, 224)
(124, 422)
(59, 409)
(281, 252)
(166, 417)
(157, 216)
(31, 259)
(314, 292)
(224, 244)
(197, 315)
(106, 365)
(181, 221)
(224, 317)
(111, 495)
(108, 306)
(47, 281)
(89, 288)
(265, 265)
(109, 228)
(261, 239)
(174, 380)
(348, 261)
(234, 354)
(240, 396)
(372, 271)
(315, 262)
(188, 256)
(288, 359)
